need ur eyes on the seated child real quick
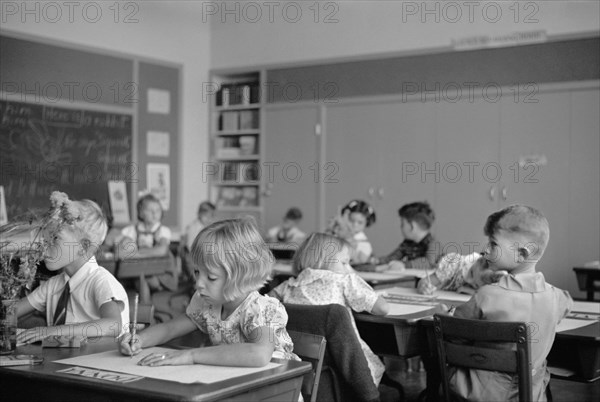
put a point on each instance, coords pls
(205, 216)
(518, 236)
(419, 248)
(350, 225)
(246, 329)
(288, 231)
(149, 238)
(322, 263)
(84, 295)
(459, 273)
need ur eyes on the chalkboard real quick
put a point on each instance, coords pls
(44, 148)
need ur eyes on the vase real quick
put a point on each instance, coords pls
(8, 326)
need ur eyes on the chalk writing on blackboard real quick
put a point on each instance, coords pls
(45, 148)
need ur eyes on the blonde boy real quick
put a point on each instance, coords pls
(85, 299)
(518, 236)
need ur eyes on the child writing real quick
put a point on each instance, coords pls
(85, 299)
(518, 236)
(205, 216)
(245, 328)
(288, 231)
(322, 263)
(459, 273)
(149, 238)
(350, 225)
(419, 249)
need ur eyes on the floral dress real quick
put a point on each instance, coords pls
(319, 287)
(254, 312)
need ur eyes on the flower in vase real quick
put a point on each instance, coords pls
(23, 244)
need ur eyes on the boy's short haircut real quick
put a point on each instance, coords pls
(206, 207)
(91, 224)
(419, 212)
(362, 207)
(524, 220)
(236, 246)
(148, 198)
(318, 251)
(293, 214)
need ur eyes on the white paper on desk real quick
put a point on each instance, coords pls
(440, 294)
(403, 309)
(568, 324)
(586, 307)
(114, 361)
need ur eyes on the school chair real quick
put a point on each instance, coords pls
(459, 343)
(310, 348)
(345, 375)
(145, 315)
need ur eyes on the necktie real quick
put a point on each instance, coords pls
(60, 314)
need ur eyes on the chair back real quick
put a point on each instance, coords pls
(310, 348)
(345, 375)
(145, 315)
(469, 343)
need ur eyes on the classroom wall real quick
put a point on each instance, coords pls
(156, 30)
(292, 32)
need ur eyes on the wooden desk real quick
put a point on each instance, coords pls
(411, 335)
(283, 269)
(588, 280)
(42, 382)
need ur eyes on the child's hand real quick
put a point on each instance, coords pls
(425, 287)
(172, 358)
(397, 265)
(129, 348)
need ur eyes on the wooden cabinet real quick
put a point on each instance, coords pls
(236, 127)
(291, 166)
(372, 144)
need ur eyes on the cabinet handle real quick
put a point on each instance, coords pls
(380, 192)
(371, 192)
(504, 193)
(492, 193)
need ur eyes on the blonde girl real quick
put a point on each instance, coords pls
(231, 262)
(322, 263)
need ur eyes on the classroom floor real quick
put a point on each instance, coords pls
(562, 391)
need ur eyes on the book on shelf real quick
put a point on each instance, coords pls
(228, 147)
(230, 171)
(243, 93)
(248, 119)
(249, 172)
(230, 121)
(247, 145)
(229, 196)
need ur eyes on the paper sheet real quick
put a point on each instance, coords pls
(115, 361)
(440, 294)
(570, 323)
(403, 309)
(586, 307)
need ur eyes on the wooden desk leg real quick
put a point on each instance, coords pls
(144, 290)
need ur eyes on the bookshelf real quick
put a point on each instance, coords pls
(236, 135)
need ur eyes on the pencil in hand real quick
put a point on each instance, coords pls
(134, 325)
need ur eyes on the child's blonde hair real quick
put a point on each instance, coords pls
(318, 251)
(236, 246)
(525, 221)
(89, 225)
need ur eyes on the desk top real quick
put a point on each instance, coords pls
(145, 387)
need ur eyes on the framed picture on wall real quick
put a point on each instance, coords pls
(158, 182)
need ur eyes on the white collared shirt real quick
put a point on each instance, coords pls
(91, 287)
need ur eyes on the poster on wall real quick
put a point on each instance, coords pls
(117, 193)
(157, 176)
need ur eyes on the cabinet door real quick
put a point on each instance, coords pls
(371, 144)
(467, 172)
(288, 169)
(584, 183)
(535, 151)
